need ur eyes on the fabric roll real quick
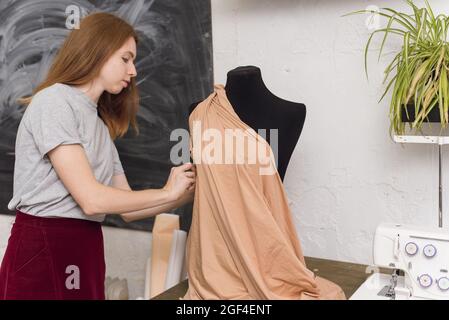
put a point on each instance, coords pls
(147, 288)
(164, 226)
(176, 259)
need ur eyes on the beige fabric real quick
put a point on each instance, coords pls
(162, 238)
(242, 242)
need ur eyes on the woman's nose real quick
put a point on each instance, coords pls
(132, 72)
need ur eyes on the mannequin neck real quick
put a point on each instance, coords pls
(245, 82)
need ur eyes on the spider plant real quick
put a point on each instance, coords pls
(418, 73)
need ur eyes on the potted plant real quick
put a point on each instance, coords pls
(418, 73)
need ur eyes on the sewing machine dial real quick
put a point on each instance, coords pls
(411, 248)
(425, 280)
(443, 283)
(430, 251)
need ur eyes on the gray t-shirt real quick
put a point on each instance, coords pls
(59, 114)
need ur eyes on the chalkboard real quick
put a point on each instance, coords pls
(174, 64)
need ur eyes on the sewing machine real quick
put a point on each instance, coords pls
(419, 259)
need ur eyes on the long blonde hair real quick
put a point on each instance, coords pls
(80, 59)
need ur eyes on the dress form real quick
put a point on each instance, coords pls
(260, 109)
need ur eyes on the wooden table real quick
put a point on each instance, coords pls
(349, 276)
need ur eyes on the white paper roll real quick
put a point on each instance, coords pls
(176, 259)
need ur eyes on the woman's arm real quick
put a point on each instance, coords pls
(121, 182)
(73, 168)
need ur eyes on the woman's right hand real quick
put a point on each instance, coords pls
(180, 181)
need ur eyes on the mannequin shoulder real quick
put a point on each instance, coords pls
(295, 110)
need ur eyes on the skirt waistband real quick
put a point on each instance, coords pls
(29, 219)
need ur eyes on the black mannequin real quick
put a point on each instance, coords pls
(261, 109)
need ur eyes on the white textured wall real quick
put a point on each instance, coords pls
(346, 175)
(126, 253)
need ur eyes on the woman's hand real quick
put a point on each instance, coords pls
(188, 196)
(181, 182)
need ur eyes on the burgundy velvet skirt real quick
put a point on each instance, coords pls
(53, 259)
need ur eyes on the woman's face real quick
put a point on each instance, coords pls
(119, 69)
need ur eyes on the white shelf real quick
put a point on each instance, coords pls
(421, 139)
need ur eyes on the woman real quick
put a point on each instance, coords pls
(67, 172)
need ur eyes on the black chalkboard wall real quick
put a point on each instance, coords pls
(174, 67)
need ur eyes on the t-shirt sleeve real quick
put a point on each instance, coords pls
(118, 168)
(52, 123)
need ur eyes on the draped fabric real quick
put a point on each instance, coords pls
(242, 243)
